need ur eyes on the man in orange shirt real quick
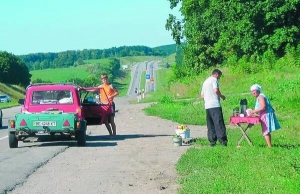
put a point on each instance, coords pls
(107, 94)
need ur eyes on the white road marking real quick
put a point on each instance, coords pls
(3, 137)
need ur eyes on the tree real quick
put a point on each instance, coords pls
(13, 70)
(216, 30)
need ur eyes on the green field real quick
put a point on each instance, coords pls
(60, 75)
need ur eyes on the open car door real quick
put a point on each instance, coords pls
(93, 110)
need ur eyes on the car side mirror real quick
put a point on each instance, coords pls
(21, 101)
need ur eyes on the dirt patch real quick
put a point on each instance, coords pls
(145, 145)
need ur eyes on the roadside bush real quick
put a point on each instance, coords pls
(165, 99)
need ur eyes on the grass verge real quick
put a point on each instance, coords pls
(247, 169)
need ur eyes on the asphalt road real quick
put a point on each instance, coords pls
(150, 67)
(16, 165)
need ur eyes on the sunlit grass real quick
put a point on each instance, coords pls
(60, 75)
(247, 169)
(15, 92)
(122, 83)
(143, 80)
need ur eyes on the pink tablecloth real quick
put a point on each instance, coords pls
(250, 120)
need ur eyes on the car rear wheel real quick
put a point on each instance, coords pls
(1, 118)
(13, 142)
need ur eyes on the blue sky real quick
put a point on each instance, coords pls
(31, 26)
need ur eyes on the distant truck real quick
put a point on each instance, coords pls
(56, 110)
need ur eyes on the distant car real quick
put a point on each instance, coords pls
(4, 98)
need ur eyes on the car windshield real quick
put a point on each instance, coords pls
(3, 97)
(52, 97)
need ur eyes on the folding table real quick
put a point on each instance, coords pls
(250, 121)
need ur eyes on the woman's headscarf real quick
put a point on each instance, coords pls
(255, 87)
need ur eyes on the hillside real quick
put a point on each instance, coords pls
(39, 61)
(14, 91)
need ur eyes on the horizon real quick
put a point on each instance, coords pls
(95, 49)
(57, 26)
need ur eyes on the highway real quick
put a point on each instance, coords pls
(149, 67)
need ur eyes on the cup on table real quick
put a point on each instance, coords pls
(248, 112)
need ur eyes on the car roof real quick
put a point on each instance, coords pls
(36, 87)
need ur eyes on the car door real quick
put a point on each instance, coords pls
(93, 110)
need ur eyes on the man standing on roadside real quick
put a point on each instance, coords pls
(211, 94)
(107, 94)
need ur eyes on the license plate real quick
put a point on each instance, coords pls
(44, 123)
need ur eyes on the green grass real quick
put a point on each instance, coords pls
(60, 75)
(169, 59)
(94, 61)
(143, 80)
(162, 83)
(232, 170)
(15, 93)
(122, 83)
(247, 169)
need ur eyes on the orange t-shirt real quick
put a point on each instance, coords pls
(105, 91)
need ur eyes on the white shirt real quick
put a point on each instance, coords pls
(211, 99)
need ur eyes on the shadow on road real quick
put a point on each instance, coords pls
(133, 136)
(48, 141)
(3, 127)
(92, 141)
(101, 144)
(74, 144)
(120, 137)
(68, 144)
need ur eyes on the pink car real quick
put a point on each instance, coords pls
(83, 102)
(57, 110)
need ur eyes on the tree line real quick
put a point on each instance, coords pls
(234, 32)
(38, 61)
